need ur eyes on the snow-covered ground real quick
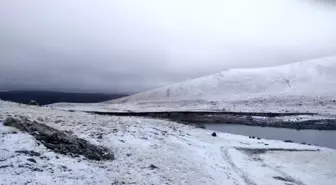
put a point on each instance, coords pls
(308, 86)
(149, 151)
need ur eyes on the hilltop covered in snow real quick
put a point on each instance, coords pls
(307, 86)
(308, 78)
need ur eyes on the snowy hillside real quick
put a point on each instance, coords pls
(308, 86)
(310, 78)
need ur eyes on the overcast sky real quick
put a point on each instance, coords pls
(130, 46)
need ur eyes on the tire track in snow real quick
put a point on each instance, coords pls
(226, 156)
(284, 176)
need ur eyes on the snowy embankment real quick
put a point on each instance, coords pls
(308, 86)
(149, 151)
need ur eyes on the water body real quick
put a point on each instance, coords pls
(326, 138)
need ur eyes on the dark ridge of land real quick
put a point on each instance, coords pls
(243, 118)
(200, 113)
(49, 97)
(60, 141)
(254, 151)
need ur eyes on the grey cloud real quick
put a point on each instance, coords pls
(130, 46)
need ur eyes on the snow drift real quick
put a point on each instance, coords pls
(308, 78)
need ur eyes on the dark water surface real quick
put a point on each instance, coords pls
(326, 138)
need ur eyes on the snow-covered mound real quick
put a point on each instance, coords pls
(308, 78)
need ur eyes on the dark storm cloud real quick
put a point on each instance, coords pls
(130, 46)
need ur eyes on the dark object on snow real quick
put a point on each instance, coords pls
(284, 179)
(100, 136)
(258, 138)
(288, 141)
(152, 167)
(60, 142)
(7, 166)
(214, 134)
(30, 153)
(31, 160)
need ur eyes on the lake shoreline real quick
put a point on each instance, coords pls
(317, 124)
(260, 119)
(323, 138)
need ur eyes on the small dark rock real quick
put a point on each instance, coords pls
(44, 157)
(258, 138)
(58, 121)
(283, 179)
(37, 170)
(31, 160)
(117, 183)
(128, 155)
(6, 166)
(214, 134)
(100, 136)
(64, 168)
(24, 165)
(152, 167)
(288, 141)
(30, 153)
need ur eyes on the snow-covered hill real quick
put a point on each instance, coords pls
(309, 78)
(308, 86)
